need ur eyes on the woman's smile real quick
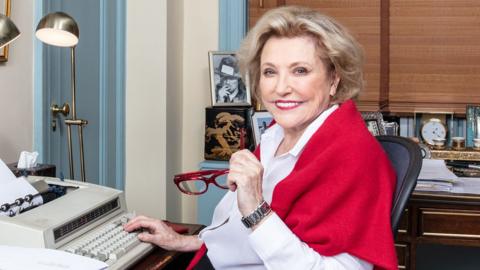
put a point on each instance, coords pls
(287, 104)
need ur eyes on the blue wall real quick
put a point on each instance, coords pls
(100, 69)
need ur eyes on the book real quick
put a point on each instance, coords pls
(472, 118)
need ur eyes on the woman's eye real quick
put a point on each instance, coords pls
(300, 70)
(268, 72)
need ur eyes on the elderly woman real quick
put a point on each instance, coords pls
(317, 192)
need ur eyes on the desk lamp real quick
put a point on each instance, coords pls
(8, 31)
(61, 30)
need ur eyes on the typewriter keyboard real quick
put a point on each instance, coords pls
(109, 243)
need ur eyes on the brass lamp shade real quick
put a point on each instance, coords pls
(58, 29)
(8, 31)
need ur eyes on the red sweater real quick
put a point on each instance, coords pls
(338, 196)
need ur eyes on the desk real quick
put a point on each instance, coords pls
(437, 218)
(430, 218)
(168, 260)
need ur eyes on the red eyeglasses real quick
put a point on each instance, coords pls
(196, 183)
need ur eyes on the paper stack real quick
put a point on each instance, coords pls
(435, 176)
(15, 258)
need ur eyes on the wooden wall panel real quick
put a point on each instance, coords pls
(256, 8)
(434, 55)
(362, 18)
(421, 55)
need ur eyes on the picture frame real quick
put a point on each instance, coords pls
(374, 123)
(261, 120)
(391, 128)
(226, 85)
(5, 6)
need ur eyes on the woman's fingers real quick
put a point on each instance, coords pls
(244, 160)
(156, 231)
(245, 177)
(245, 169)
(146, 237)
(140, 222)
(231, 184)
(243, 155)
(159, 233)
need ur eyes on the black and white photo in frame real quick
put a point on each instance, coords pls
(227, 86)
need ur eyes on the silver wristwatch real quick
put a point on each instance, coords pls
(257, 215)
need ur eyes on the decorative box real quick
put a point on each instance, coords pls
(227, 130)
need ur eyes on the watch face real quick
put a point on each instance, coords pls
(433, 129)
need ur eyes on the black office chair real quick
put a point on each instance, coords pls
(407, 160)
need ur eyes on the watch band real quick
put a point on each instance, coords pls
(257, 215)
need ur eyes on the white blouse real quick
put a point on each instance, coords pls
(272, 245)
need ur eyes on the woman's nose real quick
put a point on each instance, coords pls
(283, 86)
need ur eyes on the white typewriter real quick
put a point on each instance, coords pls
(86, 220)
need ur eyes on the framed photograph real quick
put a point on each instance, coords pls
(374, 122)
(4, 9)
(227, 130)
(260, 122)
(226, 84)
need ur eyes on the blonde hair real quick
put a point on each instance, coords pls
(337, 49)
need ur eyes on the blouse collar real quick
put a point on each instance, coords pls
(275, 133)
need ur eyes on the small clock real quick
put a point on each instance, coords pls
(431, 129)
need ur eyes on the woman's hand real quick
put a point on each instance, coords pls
(245, 177)
(160, 234)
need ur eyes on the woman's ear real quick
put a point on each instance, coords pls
(334, 84)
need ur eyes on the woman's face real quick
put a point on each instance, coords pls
(295, 86)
